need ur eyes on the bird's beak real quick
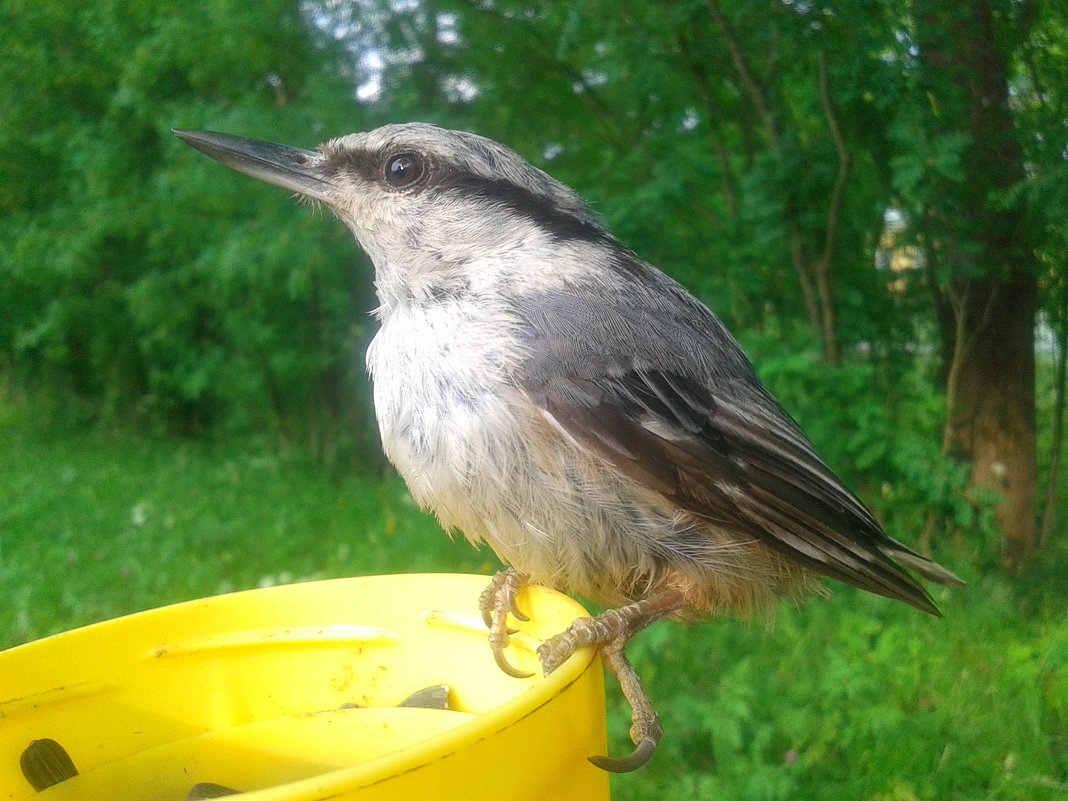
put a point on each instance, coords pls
(281, 165)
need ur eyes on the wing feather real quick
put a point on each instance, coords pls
(737, 460)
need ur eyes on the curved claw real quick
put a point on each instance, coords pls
(506, 666)
(517, 613)
(637, 758)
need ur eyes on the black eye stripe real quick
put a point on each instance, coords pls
(411, 170)
(560, 223)
(404, 169)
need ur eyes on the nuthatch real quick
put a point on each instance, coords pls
(542, 389)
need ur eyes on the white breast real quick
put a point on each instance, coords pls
(442, 394)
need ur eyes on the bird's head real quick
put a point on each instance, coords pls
(423, 201)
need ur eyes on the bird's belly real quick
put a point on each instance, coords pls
(476, 451)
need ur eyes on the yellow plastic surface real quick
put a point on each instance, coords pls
(290, 694)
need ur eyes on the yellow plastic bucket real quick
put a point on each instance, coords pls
(291, 694)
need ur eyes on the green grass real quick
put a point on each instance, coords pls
(851, 697)
(93, 526)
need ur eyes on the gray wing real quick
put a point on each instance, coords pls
(704, 432)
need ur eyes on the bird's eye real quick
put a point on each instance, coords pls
(404, 170)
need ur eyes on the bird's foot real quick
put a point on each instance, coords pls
(495, 603)
(611, 631)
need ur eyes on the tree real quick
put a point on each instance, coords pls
(982, 256)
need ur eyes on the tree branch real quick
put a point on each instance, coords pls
(825, 264)
(752, 87)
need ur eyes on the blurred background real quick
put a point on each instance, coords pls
(873, 195)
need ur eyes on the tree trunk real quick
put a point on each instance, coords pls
(987, 270)
(990, 390)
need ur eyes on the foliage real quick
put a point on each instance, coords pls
(134, 276)
(850, 698)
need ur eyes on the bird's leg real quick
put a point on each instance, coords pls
(611, 631)
(496, 601)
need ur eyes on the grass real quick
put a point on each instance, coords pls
(98, 525)
(852, 697)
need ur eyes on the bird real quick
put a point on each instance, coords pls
(542, 389)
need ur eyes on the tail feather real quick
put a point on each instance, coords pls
(932, 571)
